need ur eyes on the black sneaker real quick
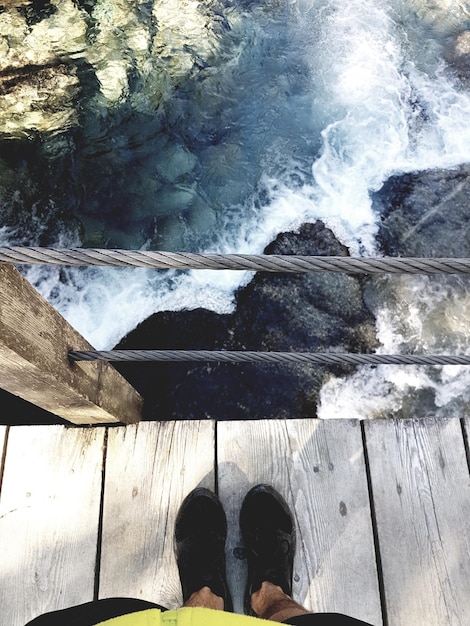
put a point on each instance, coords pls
(200, 534)
(268, 532)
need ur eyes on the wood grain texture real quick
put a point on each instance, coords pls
(150, 468)
(319, 468)
(49, 512)
(34, 344)
(421, 495)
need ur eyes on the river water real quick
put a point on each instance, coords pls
(213, 126)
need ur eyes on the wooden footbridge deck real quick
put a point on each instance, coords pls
(382, 511)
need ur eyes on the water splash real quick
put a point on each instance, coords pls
(419, 315)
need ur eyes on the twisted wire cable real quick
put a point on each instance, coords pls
(254, 262)
(273, 358)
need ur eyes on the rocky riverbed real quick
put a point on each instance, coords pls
(282, 312)
(421, 214)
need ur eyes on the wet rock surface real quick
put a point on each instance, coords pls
(39, 70)
(136, 52)
(280, 312)
(426, 214)
(422, 214)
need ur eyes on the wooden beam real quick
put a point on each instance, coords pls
(34, 364)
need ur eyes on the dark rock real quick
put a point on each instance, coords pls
(275, 312)
(426, 214)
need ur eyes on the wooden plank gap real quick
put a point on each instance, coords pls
(216, 459)
(4, 432)
(465, 424)
(100, 520)
(378, 556)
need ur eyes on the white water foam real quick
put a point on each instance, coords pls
(425, 315)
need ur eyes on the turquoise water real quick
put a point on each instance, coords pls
(214, 126)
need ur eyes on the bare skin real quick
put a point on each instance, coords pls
(269, 602)
(205, 599)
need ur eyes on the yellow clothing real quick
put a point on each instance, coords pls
(184, 617)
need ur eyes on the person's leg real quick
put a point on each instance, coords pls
(270, 602)
(268, 532)
(92, 613)
(205, 599)
(200, 534)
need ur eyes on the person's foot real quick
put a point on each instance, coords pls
(268, 532)
(200, 534)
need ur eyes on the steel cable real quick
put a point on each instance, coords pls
(276, 358)
(253, 262)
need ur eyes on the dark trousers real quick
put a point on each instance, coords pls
(93, 613)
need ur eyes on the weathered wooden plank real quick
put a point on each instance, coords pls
(49, 513)
(319, 468)
(150, 468)
(34, 364)
(421, 494)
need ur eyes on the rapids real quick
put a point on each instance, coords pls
(215, 125)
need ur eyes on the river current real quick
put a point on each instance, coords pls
(214, 126)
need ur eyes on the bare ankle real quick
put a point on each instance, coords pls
(271, 603)
(205, 599)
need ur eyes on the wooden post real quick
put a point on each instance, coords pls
(34, 344)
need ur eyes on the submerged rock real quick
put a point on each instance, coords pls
(136, 54)
(280, 312)
(38, 78)
(105, 108)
